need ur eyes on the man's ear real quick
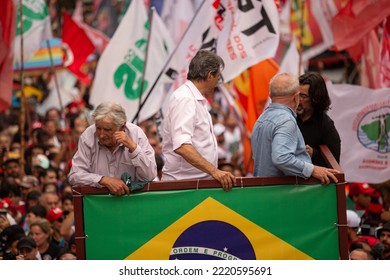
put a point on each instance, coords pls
(209, 75)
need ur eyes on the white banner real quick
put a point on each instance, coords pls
(243, 33)
(362, 118)
(120, 69)
(35, 27)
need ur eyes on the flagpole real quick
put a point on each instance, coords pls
(54, 74)
(141, 90)
(302, 29)
(22, 116)
(167, 62)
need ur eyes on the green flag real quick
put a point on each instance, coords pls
(273, 222)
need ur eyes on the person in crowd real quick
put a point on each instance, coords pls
(41, 231)
(360, 254)
(28, 184)
(278, 147)
(18, 205)
(12, 171)
(189, 144)
(28, 248)
(355, 236)
(49, 187)
(109, 148)
(316, 126)
(360, 199)
(9, 238)
(55, 217)
(65, 254)
(219, 133)
(383, 234)
(5, 146)
(33, 213)
(33, 198)
(51, 128)
(49, 175)
(226, 166)
(49, 200)
(67, 202)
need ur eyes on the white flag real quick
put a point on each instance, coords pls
(362, 118)
(177, 14)
(290, 61)
(120, 69)
(243, 34)
(35, 27)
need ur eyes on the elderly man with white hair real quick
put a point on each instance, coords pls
(111, 148)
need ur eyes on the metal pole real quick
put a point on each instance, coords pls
(150, 19)
(166, 63)
(22, 116)
(302, 29)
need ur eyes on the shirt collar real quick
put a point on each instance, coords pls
(195, 91)
(283, 107)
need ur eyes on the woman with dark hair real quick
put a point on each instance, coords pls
(316, 126)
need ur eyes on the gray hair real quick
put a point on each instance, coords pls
(202, 63)
(283, 84)
(110, 109)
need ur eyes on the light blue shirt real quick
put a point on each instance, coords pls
(278, 147)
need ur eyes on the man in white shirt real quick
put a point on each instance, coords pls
(189, 144)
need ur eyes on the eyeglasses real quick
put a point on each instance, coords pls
(304, 96)
(220, 80)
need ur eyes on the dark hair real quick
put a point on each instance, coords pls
(33, 195)
(37, 210)
(9, 235)
(14, 191)
(67, 196)
(318, 92)
(202, 63)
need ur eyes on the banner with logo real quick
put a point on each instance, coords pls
(242, 33)
(34, 26)
(252, 223)
(362, 118)
(120, 70)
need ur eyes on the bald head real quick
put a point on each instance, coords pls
(283, 85)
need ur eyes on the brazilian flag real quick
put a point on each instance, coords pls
(280, 222)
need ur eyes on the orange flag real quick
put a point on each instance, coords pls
(252, 87)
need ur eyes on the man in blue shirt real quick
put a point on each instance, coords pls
(278, 147)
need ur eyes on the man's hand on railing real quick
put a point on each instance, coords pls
(115, 185)
(325, 174)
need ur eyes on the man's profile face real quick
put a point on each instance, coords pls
(304, 107)
(385, 237)
(105, 129)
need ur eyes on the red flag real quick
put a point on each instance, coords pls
(385, 59)
(98, 39)
(79, 45)
(370, 69)
(7, 35)
(356, 20)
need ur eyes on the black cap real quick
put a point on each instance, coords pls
(26, 242)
